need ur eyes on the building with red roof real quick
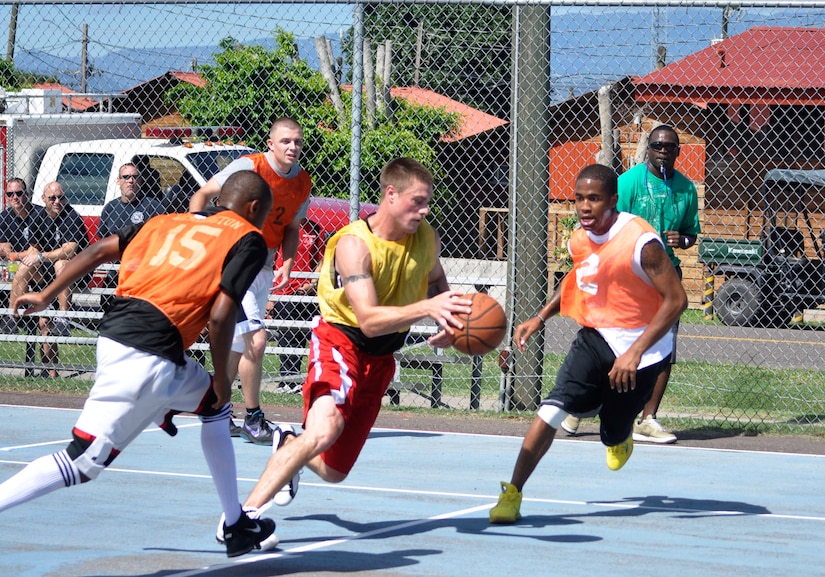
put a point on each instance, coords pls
(758, 101)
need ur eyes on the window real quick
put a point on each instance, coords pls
(85, 177)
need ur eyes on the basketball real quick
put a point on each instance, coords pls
(484, 328)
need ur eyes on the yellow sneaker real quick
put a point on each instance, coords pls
(617, 455)
(507, 509)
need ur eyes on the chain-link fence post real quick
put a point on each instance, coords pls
(528, 189)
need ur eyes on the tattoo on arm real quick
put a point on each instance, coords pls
(352, 278)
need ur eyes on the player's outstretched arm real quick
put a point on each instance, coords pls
(534, 324)
(353, 265)
(206, 193)
(83, 263)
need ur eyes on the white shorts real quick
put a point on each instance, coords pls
(134, 389)
(254, 306)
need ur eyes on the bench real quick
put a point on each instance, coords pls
(433, 362)
(417, 356)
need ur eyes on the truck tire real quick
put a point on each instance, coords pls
(737, 303)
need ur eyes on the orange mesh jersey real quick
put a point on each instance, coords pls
(604, 289)
(288, 194)
(175, 263)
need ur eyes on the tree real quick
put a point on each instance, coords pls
(13, 79)
(251, 86)
(463, 52)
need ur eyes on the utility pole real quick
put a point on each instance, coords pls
(726, 14)
(15, 8)
(84, 58)
(419, 40)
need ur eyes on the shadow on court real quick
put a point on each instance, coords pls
(416, 505)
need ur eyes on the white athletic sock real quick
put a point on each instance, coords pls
(40, 477)
(220, 456)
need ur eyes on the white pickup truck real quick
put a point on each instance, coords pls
(84, 152)
(171, 168)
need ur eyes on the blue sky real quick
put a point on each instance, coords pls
(132, 42)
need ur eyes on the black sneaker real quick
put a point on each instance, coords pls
(246, 535)
(256, 429)
(234, 430)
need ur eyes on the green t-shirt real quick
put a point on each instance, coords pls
(671, 205)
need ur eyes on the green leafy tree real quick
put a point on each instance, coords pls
(13, 79)
(251, 86)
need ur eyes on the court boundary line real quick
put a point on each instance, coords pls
(491, 498)
(438, 432)
(67, 441)
(327, 543)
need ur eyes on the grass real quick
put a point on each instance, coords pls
(733, 397)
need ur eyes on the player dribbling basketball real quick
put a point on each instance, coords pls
(372, 287)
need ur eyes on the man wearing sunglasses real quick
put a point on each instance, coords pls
(20, 224)
(666, 199)
(133, 207)
(62, 236)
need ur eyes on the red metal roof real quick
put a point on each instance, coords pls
(190, 77)
(763, 65)
(76, 103)
(473, 121)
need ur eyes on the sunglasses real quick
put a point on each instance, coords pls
(17, 193)
(669, 146)
(56, 197)
(129, 176)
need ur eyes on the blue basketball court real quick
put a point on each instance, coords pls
(416, 504)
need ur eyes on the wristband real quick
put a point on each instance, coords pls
(541, 318)
(40, 256)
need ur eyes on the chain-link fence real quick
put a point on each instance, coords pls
(505, 102)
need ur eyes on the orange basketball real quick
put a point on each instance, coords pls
(484, 327)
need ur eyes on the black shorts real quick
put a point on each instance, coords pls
(583, 388)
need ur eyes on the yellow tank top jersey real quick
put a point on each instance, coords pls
(175, 262)
(399, 271)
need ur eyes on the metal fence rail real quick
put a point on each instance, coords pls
(506, 102)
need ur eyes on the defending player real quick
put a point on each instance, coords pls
(625, 294)
(290, 185)
(177, 273)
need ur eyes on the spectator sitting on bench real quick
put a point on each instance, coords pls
(62, 236)
(18, 226)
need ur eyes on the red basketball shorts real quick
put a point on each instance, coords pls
(356, 381)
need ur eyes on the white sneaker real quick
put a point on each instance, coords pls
(287, 493)
(651, 431)
(267, 544)
(570, 424)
